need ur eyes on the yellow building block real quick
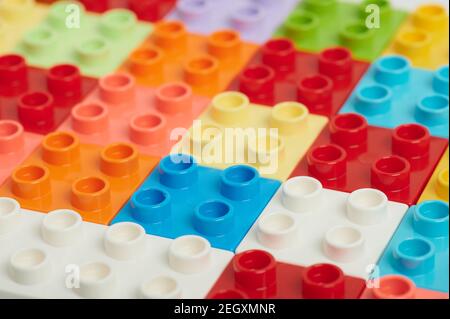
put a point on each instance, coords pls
(16, 18)
(437, 187)
(234, 131)
(423, 38)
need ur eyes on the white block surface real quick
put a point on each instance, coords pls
(38, 259)
(325, 226)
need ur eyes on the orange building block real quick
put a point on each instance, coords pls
(63, 173)
(208, 64)
(118, 110)
(399, 287)
(15, 146)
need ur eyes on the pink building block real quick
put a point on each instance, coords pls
(120, 111)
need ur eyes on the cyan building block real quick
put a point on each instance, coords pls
(419, 247)
(392, 93)
(182, 197)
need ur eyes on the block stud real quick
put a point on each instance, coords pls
(316, 92)
(36, 110)
(30, 266)
(440, 80)
(240, 183)
(119, 160)
(118, 23)
(349, 131)
(289, 117)
(414, 256)
(248, 17)
(373, 99)
(257, 82)
(62, 228)
(64, 82)
(151, 205)
(90, 118)
(344, 243)
(229, 107)
(323, 281)
(13, 74)
(214, 218)
(301, 194)
(16, 10)
(431, 218)
(394, 287)
(367, 206)
(431, 17)
(61, 149)
(225, 44)
(336, 63)
(171, 36)
(277, 230)
(11, 137)
(432, 110)
(178, 171)
(279, 54)
(147, 61)
(392, 70)
(255, 270)
(391, 174)
(91, 194)
(117, 89)
(413, 43)
(148, 129)
(174, 98)
(327, 162)
(412, 141)
(31, 181)
(190, 254)
(442, 184)
(97, 280)
(125, 241)
(9, 211)
(194, 10)
(202, 71)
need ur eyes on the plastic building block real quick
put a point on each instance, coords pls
(256, 274)
(256, 20)
(181, 197)
(399, 287)
(233, 131)
(44, 252)
(40, 99)
(147, 10)
(393, 93)
(207, 64)
(424, 37)
(411, 5)
(16, 18)
(316, 25)
(280, 73)
(15, 146)
(119, 110)
(437, 187)
(305, 224)
(419, 247)
(63, 173)
(350, 155)
(97, 44)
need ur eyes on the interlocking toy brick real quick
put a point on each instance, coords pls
(119, 110)
(97, 44)
(40, 99)
(424, 37)
(256, 20)
(305, 224)
(46, 251)
(399, 287)
(280, 73)
(317, 24)
(257, 274)
(437, 187)
(350, 154)
(147, 10)
(234, 131)
(63, 173)
(16, 18)
(419, 247)
(207, 63)
(393, 93)
(15, 146)
(181, 197)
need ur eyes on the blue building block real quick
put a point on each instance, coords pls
(182, 197)
(392, 93)
(419, 247)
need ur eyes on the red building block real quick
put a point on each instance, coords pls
(119, 110)
(399, 287)
(280, 73)
(15, 146)
(39, 99)
(256, 274)
(350, 155)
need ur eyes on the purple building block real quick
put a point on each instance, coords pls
(256, 20)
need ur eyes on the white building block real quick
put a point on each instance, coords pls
(57, 255)
(305, 224)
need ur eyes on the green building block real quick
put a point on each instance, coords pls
(97, 44)
(319, 24)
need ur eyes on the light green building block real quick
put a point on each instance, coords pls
(319, 24)
(97, 44)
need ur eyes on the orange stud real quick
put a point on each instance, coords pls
(224, 44)
(202, 71)
(148, 129)
(170, 36)
(119, 160)
(91, 194)
(147, 61)
(31, 182)
(61, 149)
(118, 88)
